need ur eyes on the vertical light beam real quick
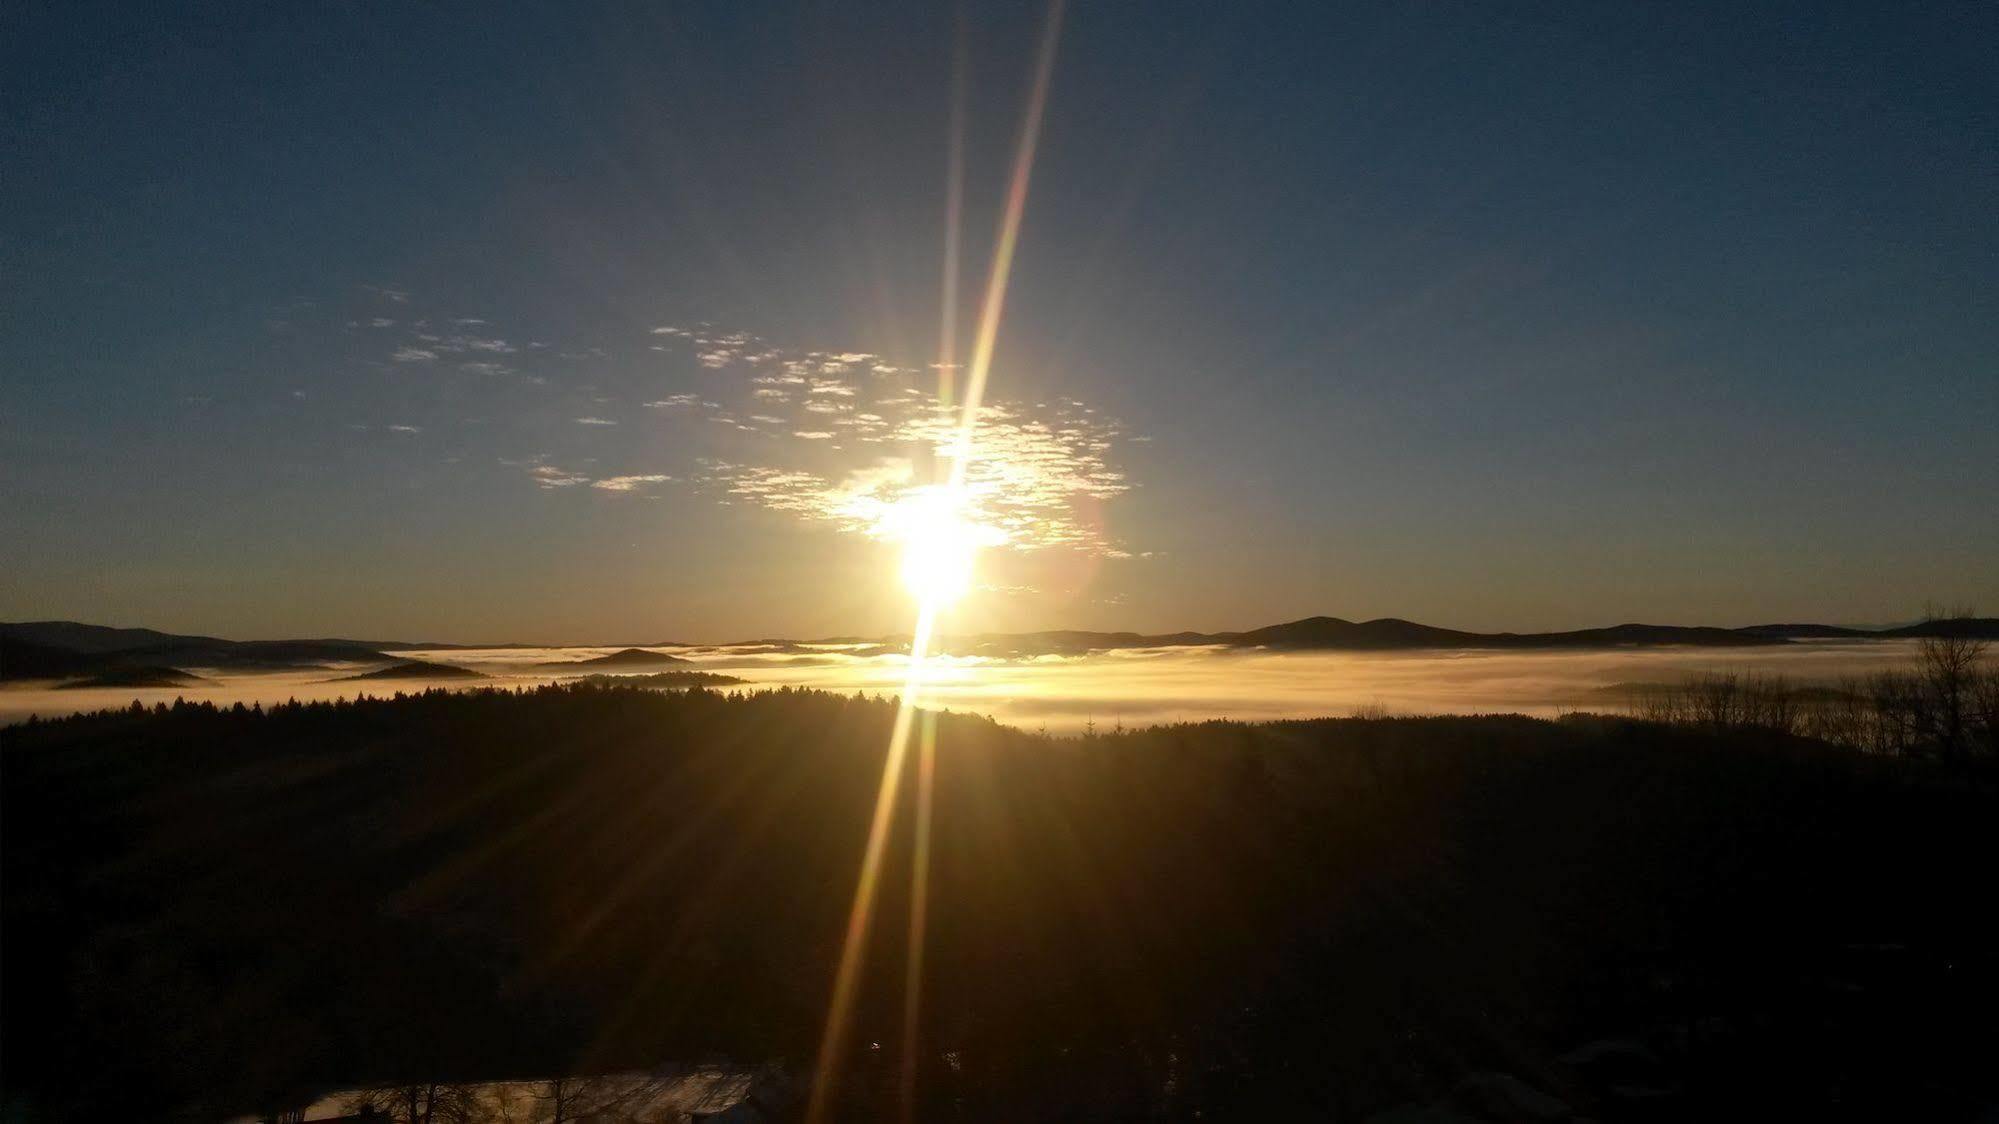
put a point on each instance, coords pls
(926, 755)
(1008, 237)
(919, 918)
(860, 916)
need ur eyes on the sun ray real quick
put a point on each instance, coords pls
(939, 573)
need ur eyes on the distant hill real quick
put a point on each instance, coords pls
(663, 679)
(137, 676)
(1806, 631)
(28, 659)
(629, 657)
(1393, 634)
(60, 649)
(413, 669)
(1332, 632)
(94, 639)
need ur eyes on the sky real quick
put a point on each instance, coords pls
(614, 323)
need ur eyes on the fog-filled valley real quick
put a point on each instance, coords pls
(1066, 693)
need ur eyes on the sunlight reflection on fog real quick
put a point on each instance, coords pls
(1138, 687)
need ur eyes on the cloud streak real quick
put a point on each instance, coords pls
(629, 483)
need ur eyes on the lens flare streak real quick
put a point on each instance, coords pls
(941, 563)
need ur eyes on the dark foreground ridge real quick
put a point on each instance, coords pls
(209, 911)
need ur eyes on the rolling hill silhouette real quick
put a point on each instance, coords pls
(629, 657)
(61, 649)
(414, 669)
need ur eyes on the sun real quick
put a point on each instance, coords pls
(940, 545)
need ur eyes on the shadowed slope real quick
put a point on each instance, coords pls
(1308, 918)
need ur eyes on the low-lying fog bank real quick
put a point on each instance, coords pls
(1135, 687)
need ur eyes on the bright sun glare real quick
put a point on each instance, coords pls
(939, 544)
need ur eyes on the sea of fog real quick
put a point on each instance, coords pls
(1135, 687)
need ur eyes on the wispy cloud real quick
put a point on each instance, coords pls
(404, 428)
(834, 436)
(549, 476)
(629, 483)
(1036, 474)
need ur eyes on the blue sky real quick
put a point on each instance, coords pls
(1558, 316)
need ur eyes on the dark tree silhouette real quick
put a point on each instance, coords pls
(210, 911)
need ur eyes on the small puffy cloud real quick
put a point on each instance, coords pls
(405, 429)
(811, 434)
(595, 421)
(678, 402)
(413, 355)
(629, 483)
(549, 476)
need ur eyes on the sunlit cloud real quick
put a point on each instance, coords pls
(405, 429)
(629, 483)
(1036, 477)
(803, 431)
(549, 476)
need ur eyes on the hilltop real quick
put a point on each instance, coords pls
(629, 657)
(415, 669)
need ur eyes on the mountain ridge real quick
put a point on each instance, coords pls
(58, 649)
